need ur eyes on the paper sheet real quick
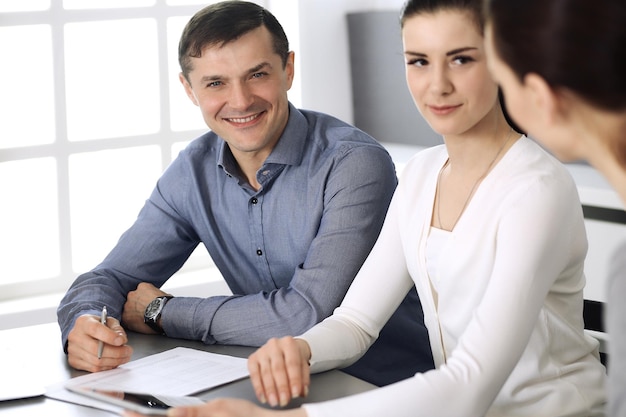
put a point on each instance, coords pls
(175, 372)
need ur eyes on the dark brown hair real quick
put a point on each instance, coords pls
(224, 22)
(579, 45)
(415, 7)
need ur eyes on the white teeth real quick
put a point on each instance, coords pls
(244, 120)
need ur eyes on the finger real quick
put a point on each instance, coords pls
(115, 325)
(255, 377)
(277, 372)
(111, 333)
(297, 368)
(305, 356)
(267, 372)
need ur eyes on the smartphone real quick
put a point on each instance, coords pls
(140, 402)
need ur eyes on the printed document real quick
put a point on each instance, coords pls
(176, 372)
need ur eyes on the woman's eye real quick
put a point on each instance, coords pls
(462, 59)
(419, 62)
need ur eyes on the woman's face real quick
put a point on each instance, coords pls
(446, 71)
(527, 104)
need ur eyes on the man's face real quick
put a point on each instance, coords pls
(241, 88)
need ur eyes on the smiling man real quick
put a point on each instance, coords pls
(287, 202)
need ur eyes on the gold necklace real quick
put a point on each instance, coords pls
(474, 187)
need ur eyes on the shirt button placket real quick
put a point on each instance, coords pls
(254, 201)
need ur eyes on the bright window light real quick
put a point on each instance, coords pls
(188, 2)
(23, 5)
(29, 241)
(106, 4)
(107, 190)
(27, 86)
(112, 79)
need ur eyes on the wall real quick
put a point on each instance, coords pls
(320, 41)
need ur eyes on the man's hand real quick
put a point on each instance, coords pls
(136, 303)
(83, 340)
(279, 370)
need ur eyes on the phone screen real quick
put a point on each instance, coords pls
(144, 400)
(140, 402)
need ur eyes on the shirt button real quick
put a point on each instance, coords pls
(254, 200)
(259, 252)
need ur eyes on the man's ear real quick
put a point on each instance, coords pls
(290, 69)
(188, 89)
(542, 97)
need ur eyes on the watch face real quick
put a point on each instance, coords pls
(154, 307)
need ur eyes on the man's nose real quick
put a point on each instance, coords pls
(241, 96)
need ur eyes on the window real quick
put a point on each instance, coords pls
(93, 112)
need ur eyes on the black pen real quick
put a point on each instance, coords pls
(103, 320)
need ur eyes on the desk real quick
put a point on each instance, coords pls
(35, 352)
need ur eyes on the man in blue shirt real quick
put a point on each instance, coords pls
(287, 202)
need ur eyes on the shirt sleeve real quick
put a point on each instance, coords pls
(357, 193)
(151, 250)
(539, 232)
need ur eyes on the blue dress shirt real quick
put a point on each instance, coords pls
(288, 251)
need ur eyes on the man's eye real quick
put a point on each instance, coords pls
(214, 84)
(258, 75)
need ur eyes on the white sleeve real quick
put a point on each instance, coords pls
(537, 237)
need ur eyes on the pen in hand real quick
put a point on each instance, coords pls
(103, 320)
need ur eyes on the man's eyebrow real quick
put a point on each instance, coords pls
(210, 78)
(217, 77)
(259, 67)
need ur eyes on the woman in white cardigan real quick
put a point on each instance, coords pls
(490, 230)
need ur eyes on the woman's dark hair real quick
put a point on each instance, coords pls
(224, 22)
(415, 7)
(475, 9)
(578, 45)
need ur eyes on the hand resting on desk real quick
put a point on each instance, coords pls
(279, 370)
(83, 340)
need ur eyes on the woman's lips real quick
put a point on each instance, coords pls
(443, 110)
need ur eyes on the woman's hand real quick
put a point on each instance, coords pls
(279, 370)
(226, 407)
